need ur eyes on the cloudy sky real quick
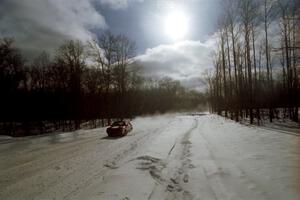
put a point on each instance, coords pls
(173, 37)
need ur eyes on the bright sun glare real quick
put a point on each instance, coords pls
(176, 25)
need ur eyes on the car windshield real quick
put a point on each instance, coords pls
(119, 123)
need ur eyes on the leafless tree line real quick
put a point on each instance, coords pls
(93, 82)
(256, 65)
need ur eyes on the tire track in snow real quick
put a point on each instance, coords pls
(58, 158)
(62, 170)
(176, 186)
(113, 163)
(173, 186)
(118, 155)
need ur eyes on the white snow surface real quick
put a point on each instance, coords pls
(165, 157)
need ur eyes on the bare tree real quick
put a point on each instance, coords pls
(112, 55)
(39, 72)
(247, 16)
(71, 55)
(125, 51)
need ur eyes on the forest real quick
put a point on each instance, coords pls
(256, 64)
(255, 76)
(84, 84)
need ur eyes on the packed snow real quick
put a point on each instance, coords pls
(168, 157)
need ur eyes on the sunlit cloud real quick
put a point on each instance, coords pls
(184, 61)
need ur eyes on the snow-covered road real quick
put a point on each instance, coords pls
(164, 157)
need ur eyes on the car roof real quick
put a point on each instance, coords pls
(118, 122)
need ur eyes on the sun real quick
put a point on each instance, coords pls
(176, 25)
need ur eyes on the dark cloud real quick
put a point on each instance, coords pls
(117, 4)
(43, 25)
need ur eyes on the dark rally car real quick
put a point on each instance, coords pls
(119, 128)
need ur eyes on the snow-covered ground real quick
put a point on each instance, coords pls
(164, 157)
